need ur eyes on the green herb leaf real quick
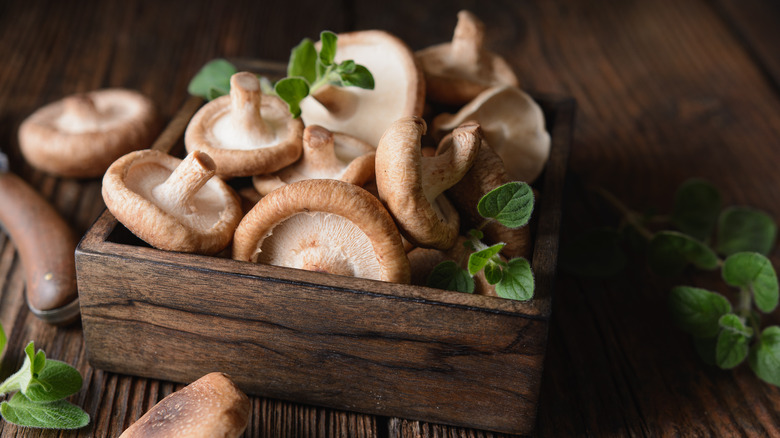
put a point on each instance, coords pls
(696, 207)
(477, 234)
(57, 381)
(449, 276)
(292, 91)
(303, 59)
(754, 272)
(510, 204)
(732, 346)
(764, 356)
(493, 273)
(670, 252)
(698, 311)
(329, 41)
(595, 253)
(478, 260)
(358, 77)
(59, 414)
(517, 282)
(213, 80)
(745, 229)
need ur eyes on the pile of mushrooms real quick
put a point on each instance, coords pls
(357, 186)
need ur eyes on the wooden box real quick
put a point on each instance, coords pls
(319, 339)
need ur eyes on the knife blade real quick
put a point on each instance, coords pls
(46, 246)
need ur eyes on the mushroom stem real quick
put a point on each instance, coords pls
(79, 114)
(319, 152)
(468, 39)
(340, 103)
(454, 157)
(184, 182)
(246, 100)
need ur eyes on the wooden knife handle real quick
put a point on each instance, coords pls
(46, 244)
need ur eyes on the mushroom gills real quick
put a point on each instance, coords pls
(225, 135)
(322, 242)
(207, 205)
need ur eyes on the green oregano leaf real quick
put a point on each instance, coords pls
(754, 272)
(292, 91)
(510, 204)
(59, 414)
(57, 380)
(477, 234)
(478, 260)
(745, 229)
(698, 311)
(358, 77)
(764, 357)
(493, 272)
(329, 41)
(670, 252)
(696, 207)
(303, 59)
(213, 79)
(517, 282)
(595, 253)
(448, 275)
(732, 345)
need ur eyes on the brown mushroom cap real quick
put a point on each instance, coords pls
(325, 156)
(399, 88)
(323, 225)
(458, 71)
(212, 406)
(172, 204)
(411, 185)
(81, 135)
(513, 124)
(246, 133)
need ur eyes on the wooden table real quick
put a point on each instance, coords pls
(666, 90)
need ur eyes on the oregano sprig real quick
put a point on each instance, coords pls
(511, 205)
(736, 240)
(40, 387)
(307, 71)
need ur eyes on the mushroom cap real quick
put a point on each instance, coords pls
(399, 87)
(513, 124)
(203, 224)
(246, 132)
(81, 135)
(326, 155)
(411, 185)
(323, 225)
(458, 71)
(212, 406)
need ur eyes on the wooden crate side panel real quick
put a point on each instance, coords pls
(323, 346)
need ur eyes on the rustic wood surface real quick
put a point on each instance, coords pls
(666, 90)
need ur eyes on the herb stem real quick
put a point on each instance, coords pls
(629, 215)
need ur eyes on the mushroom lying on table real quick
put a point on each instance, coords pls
(326, 226)
(210, 407)
(325, 155)
(246, 132)
(399, 88)
(513, 125)
(412, 186)
(81, 135)
(458, 71)
(172, 204)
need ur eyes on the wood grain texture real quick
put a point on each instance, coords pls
(665, 90)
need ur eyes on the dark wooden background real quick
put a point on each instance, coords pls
(666, 90)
